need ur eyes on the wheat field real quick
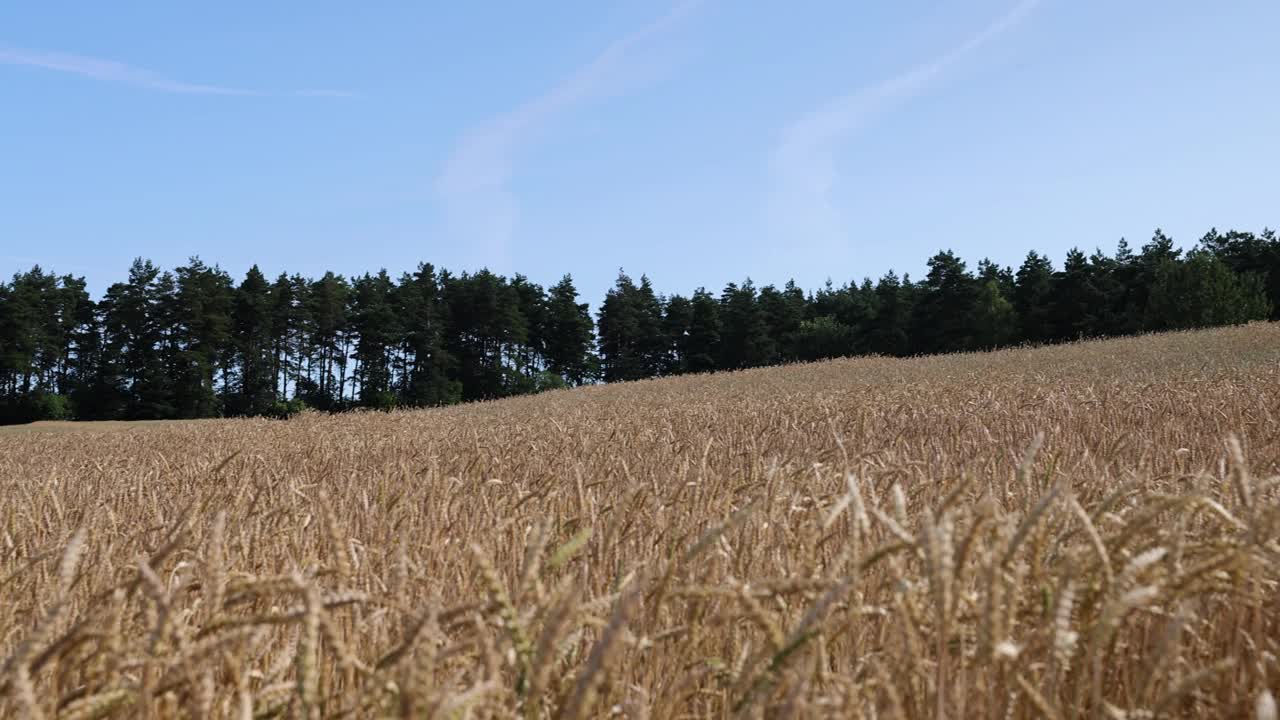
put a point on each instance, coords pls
(1081, 531)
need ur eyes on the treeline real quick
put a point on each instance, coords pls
(193, 342)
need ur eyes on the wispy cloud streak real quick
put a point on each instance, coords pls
(803, 160)
(111, 71)
(473, 184)
(326, 93)
(117, 72)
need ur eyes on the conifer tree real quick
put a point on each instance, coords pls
(568, 333)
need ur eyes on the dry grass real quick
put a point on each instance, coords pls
(1062, 532)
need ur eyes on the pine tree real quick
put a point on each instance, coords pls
(568, 333)
(1246, 253)
(942, 312)
(528, 356)
(1153, 265)
(1107, 292)
(136, 329)
(783, 312)
(255, 346)
(823, 338)
(1073, 301)
(40, 316)
(11, 334)
(76, 332)
(1272, 281)
(702, 342)
(891, 333)
(1201, 291)
(677, 314)
(286, 318)
(995, 323)
(632, 344)
(651, 344)
(865, 308)
(1006, 282)
(26, 334)
(376, 326)
(744, 332)
(421, 308)
(325, 332)
(201, 316)
(1032, 291)
(485, 325)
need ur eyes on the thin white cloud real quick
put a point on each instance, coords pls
(473, 185)
(111, 71)
(803, 160)
(326, 93)
(118, 72)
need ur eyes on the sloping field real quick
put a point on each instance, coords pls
(63, 426)
(1088, 530)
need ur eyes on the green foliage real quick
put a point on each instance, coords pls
(631, 343)
(823, 338)
(946, 299)
(890, 332)
(995, 323)
(34, 407)
(254, 346)
(484, 327)
(285, 409)
(1033, 286)
(1203, 292)
(701, 344)
(567, 333)
(744, 330)
(548, 380)
(383, 400)
(783, 312)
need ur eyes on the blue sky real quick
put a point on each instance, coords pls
(697, 141)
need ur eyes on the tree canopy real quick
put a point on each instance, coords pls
(193, 342)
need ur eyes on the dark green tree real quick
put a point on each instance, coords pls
(891, 332)
(1201, 291)
(702, 343)
(428, 380)
(289, 306)
(568, 333)
(255, 346)
(823, 338)
(326, 342)
(1074, 300)
(26, 329)
(485, 326)
(677, 314)
(632, 344)
(377, 328)
(944, 305)
(1004, 278)
(528, 355)
(136, 326)
(201, 323)
(783, 312)
(1147, 268)
(1247, 253)
(995, 323)
(744, 331)
(1032, 293)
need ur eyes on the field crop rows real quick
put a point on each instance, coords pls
(1081, 531)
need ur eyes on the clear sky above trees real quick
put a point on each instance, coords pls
(765, 140)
